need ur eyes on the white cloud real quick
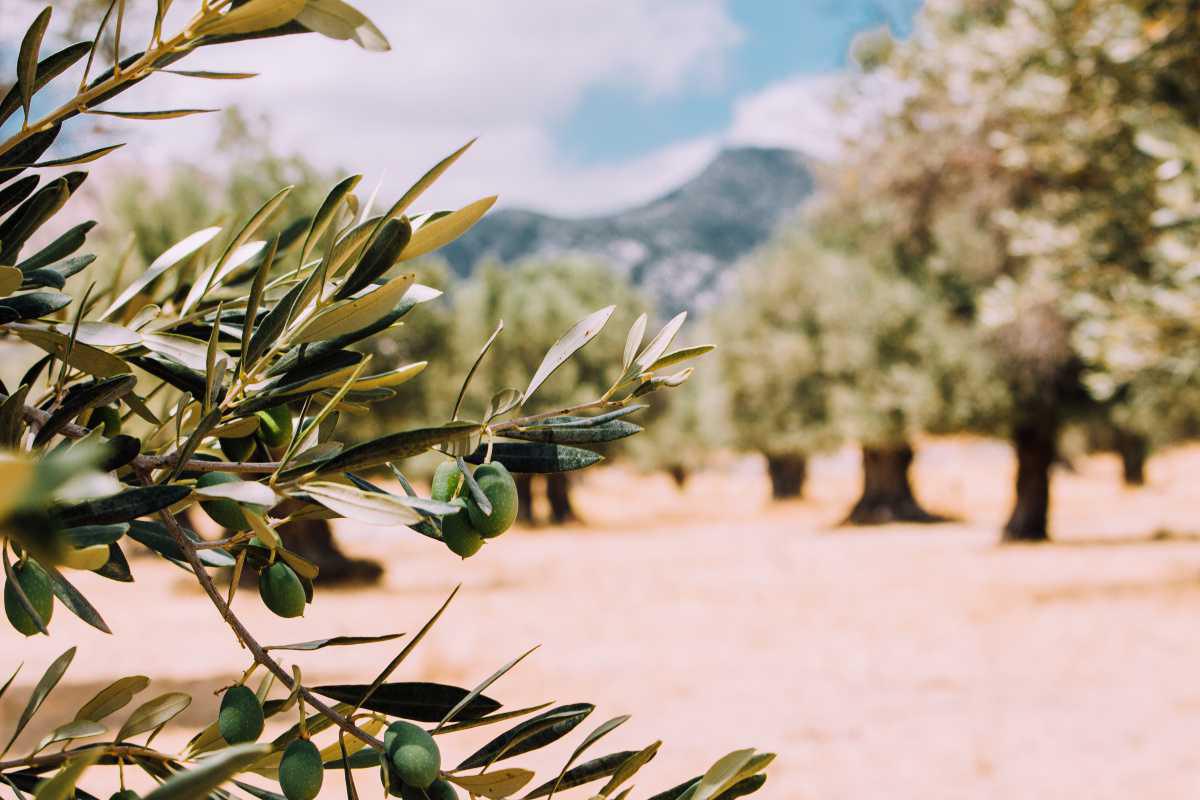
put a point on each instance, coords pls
(506, 72)
(816, 114)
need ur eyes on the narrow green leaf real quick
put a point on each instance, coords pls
(326, 214)
(44, 686)
(483, 351)
(253, 16)
(580, 334)
(530, 735)
(426, 180)
(198, 782)
(366, 507)
(348, 316)
(586, 772)
(76, 729)
(662, 340)
(494, 785)
(75, 602)
(342, 21)
(562, 781)
(398, 446)
(154, 714)
(27, 57)
(112, 698)
(443, 230)
(335, 641)
(174, 113)
(537, 458)
(174, 255)
(633, 341)
(80, 158)
(478, 690)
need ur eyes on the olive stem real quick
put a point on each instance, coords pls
(38, 417)
(186, 545)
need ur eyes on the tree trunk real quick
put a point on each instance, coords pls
(524, 498)
(558, 492)
(887, 494)
(1134, 450)
(313, 539)
(1036, 443)
(679, 474)
(788, 473)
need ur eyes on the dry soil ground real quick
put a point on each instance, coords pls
(897, 662)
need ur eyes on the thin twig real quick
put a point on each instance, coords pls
(243, 634)
(38, 417)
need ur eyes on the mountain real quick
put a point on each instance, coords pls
(678, 248)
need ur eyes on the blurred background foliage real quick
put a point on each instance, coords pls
(1009, 249)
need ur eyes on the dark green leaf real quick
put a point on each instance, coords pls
(119, 451)
(532, 734)
(123, 507)
(172, 372)
(400, 446)
(743, 787)
(75, 602)
(381, 254)
(586, 772)
(155, 536)
(554, 434)
(366, 758)
(47, 70)
(31, 305)
(59, 249)
(88, 535)
(676, 792)
(117, 566)
(80, 158)
(13, 195)
(81, 398)
(420, 702)
(335, 641)
(12, 424)
(537, 458)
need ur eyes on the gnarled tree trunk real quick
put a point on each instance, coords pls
(1134, 451)
(788, 472)
(558, 492)
(524, 497)
(679, 474)
(887, 494)
(1036, 443)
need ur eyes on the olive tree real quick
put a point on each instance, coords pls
(1019, 175)
(773, 360)
(229, 393)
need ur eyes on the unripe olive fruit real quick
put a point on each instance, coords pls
(109, 417)
(446, 480)
(458, 533)
(241, 716)
(500, 488)
(281, 590)
(301, 771)
(223, 511)
(415, 758)
(85, 558)
(239, 449)
(125, 794)
(275, 426)
(438, 790)
(36, 585)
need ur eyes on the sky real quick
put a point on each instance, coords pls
(580, 106)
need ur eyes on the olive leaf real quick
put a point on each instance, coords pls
(199, 781)
(154, 714)
(443, 230)
(253, 16)
(494, 785)
(111, 698)
(366, 507)
(45, 685)
(27, 57)
(579, 334)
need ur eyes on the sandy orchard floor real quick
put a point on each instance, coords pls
(898, 662)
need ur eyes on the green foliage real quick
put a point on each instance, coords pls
(252, 340)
